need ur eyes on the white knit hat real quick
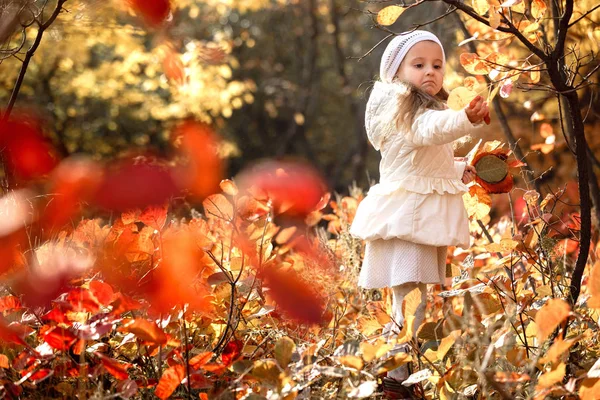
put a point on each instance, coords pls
(398, 47)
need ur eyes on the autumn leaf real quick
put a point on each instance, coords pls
(460, 97)
(550, 316)
(284, 348)
(473, 64)
(538, 9)
(9, 303)
(59, 338)
(552, 377)
(593, 285)
(389, 15)
(169, 381)
(26, 154)
(296, 297)
(557, 349)
(200, 360)
(116, 368)
(295, 188)
(133, 184)
(10, 333)
(201, 168)
(232, 351)
(154, 12)
(145, 330)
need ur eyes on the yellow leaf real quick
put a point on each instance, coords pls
(473, 64)
(352, 362)
(550, 316)
(494, 17)
(372, 352)
(447, 343)
(538, 9)
(389, 15)
(552, 377)
(590, 389)
(481, 6)
(284, 348)
(394, 362)
(411, 302)
(557, 349)
(228, 187)
(460, 97)
(407, 331)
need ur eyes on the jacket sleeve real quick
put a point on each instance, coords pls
(433, 127)
(460, 167)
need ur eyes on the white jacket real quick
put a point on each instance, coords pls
(419, 197)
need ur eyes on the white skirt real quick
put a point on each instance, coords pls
(391, 262)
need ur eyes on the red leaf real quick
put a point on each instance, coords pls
(169, 381)
(296, 297)
(58, 338)
(102, 292)
(9, 303)
(10, 334)
(129, 185)
(82, 300)
(154, 12)
(41, 375)
(55, 315)
(154, 217)
(145, 330)
(71, 183)
(204, 169)
(200, 360)
(232, 351)
(295, 188)
(115, 368)
(124, 303)
(26, 153)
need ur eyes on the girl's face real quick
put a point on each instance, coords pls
(423, 67)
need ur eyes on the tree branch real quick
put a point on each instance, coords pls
(27, 59)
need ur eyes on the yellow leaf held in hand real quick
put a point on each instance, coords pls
(389, 15)
(460, 97)
(550, 316)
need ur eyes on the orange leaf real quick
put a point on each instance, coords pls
(169, 381)
(201, 359)
(593, 285)
(115, 368)
(154, 216)
(154, 12)
(102, 292)
(203, 170)
(473, 64)
(550, 316)
(145, 330)
(173, 67)
(8, 303)
(4, 361)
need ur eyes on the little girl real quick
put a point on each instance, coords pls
(416, 211)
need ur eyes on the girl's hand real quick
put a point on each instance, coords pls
(478, 111)
(469, 174)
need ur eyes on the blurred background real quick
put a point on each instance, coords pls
(276, 78)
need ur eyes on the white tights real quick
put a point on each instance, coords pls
(398, 293)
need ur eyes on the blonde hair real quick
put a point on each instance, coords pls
(415, 101)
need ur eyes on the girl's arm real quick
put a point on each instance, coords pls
(440, 127)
